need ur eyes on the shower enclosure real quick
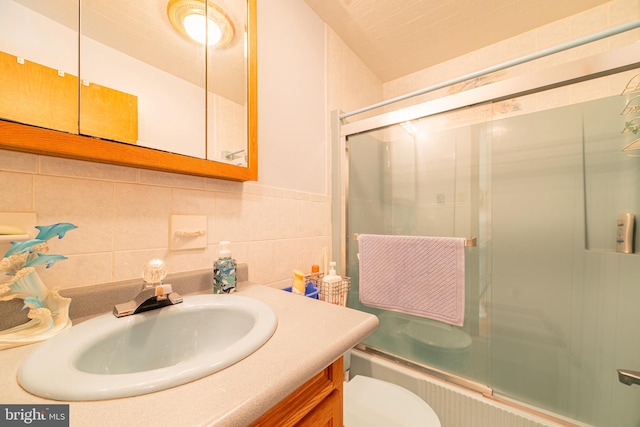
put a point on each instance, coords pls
(551, 307)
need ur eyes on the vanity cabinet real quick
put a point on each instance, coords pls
(316, 403)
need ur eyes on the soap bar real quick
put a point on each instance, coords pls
(7, 229)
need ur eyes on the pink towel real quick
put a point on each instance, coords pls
(423, 276)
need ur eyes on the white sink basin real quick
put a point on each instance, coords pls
(108, 357)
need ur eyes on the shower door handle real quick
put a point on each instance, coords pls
(628, 377)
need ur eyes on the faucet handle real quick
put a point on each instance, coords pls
(154, 271)
(163, 290)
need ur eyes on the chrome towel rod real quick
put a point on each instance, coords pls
(469, 242)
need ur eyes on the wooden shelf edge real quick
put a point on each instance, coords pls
(19, 137)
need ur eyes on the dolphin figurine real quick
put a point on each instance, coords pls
(46, 232)
(46, 259)
(21, 247)
(32, 302)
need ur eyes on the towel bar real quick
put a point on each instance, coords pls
(469, 242)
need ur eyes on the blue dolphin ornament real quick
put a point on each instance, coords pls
(47, 232)
(32, 302)
(21, 247)
(46, 259)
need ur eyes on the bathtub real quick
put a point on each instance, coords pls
(456, 406)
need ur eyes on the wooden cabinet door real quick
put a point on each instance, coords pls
(318, 402)
(327, 414)
(37, 95)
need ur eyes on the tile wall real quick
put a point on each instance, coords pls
(123, 218)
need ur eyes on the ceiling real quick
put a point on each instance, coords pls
(395, 38)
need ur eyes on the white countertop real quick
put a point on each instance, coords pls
(311, 334)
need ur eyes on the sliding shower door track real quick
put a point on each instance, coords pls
(429, 370)
(465, 383)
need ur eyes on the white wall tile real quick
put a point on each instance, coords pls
(18, 162)
(263, 213)
(86, 203)
(286, 254)
(171, 179)
(78, 270)
(17, 192)
(286, 216)
(233, 217)
(314, 250)
(224, 186)
(263, 261)
(141, 217)
(313, 219)
(82, 169)
(194, 259)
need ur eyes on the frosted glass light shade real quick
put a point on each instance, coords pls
(197, 28)
(188, 17)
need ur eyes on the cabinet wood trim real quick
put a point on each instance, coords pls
(320, 398)
(19, 137)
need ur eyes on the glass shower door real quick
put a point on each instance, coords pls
(551, 306)
(423, 178)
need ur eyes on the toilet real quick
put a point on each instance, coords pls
(369, 402)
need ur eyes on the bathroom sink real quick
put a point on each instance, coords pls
(108, 357)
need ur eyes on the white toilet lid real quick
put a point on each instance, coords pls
(369, 402)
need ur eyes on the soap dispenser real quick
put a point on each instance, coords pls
(330, 288)
(224, 271)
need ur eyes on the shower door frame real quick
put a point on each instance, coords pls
(600, 65)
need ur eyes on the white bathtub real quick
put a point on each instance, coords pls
(456, 406)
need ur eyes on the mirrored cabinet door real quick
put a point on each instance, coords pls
(141, 82)
(227, 94)
(39, 63)
(133, 83)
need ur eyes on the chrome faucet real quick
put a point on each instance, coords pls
(153, 295)
(149, 298)
(628, 377)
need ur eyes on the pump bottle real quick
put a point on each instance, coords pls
(330, 288)
(224, 271)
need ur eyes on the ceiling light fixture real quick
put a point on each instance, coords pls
(188, 17)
